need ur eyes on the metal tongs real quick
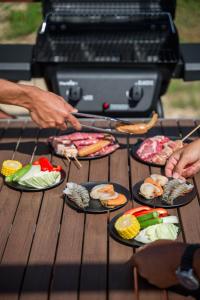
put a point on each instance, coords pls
(108, 130)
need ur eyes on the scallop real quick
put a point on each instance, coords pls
(148, 190)
(160, 179)
(102, 190)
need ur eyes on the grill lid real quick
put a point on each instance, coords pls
(108, 7)
(113, 33)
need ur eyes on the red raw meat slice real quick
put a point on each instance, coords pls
(76, 136)
(88, 142)
(151, 146)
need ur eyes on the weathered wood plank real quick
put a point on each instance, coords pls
(120, 267)
(37, 279)
(23, 229)
(65, 283)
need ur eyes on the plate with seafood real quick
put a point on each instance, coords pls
(142, 225)
(155, 151)
(96, 197)
(83, 145)
(160, 191)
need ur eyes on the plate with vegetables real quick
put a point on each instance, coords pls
(142, 225)
(160, 191)
(96, 197)
(37, 176)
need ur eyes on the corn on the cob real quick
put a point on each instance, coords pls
(9, 167)
(127, 226)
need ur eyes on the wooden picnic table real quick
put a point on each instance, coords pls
(49, 251)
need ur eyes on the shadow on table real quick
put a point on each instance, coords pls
(36, 278)
(26, 147)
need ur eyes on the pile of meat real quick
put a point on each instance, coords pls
(158, 149)
(83, 144)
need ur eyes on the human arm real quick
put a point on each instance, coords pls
(184, 162)
(158, 261)
(46, 109)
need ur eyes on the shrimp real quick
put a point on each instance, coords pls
(139, 128)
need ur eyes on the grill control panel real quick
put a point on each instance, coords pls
(114, 92)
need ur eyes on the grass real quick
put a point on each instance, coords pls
(19, 20)
(24, 19)
(187, 20)
(24, 22)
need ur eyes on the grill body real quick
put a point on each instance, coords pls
(109, 57)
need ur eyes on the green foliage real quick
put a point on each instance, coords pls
(184, 95)
(187, 20)
(23, 22)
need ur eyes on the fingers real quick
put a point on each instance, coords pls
(182, 163)
(172, 162)
(74, 121)
(191, 170)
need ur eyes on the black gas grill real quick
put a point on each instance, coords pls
(112, 57)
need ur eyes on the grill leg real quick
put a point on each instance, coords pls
(159, 109)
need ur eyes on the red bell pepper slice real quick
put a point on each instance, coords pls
(45, 164)
(137, 210)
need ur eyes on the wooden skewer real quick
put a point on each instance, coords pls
(67, 157)
(190, 133)
(77, 161)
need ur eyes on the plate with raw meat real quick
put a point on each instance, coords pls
(83, 145)
(155, 151)
(96, 197)
(160, 191)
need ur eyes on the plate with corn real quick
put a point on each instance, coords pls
(143, 225)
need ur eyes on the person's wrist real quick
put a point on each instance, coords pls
(29, 96)
(196, 263)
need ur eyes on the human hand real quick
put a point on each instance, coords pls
(184, 162)
(158, 261)
(50, 110)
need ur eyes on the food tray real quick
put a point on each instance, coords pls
(95, 205)
(158, 202)
(16, 186)
(132, 242)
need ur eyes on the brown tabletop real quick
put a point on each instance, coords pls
(49, 251)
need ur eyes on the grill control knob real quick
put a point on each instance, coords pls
(135, 95)
(75, 93)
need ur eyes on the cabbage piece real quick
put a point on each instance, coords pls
(157, 232)
(41, 179)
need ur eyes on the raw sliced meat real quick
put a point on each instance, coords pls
(88, 142)
(158, 149)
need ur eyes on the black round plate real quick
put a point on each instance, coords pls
(85, 157)
(137, 145)
(21, 188)
(158, 202)
(95, 205)
(131, 243)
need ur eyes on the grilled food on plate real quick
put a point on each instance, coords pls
(83, 144)
(169, 189)
(158, 149)
(104, 193)
(146, 225)
(139, 128)
(40, 174)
